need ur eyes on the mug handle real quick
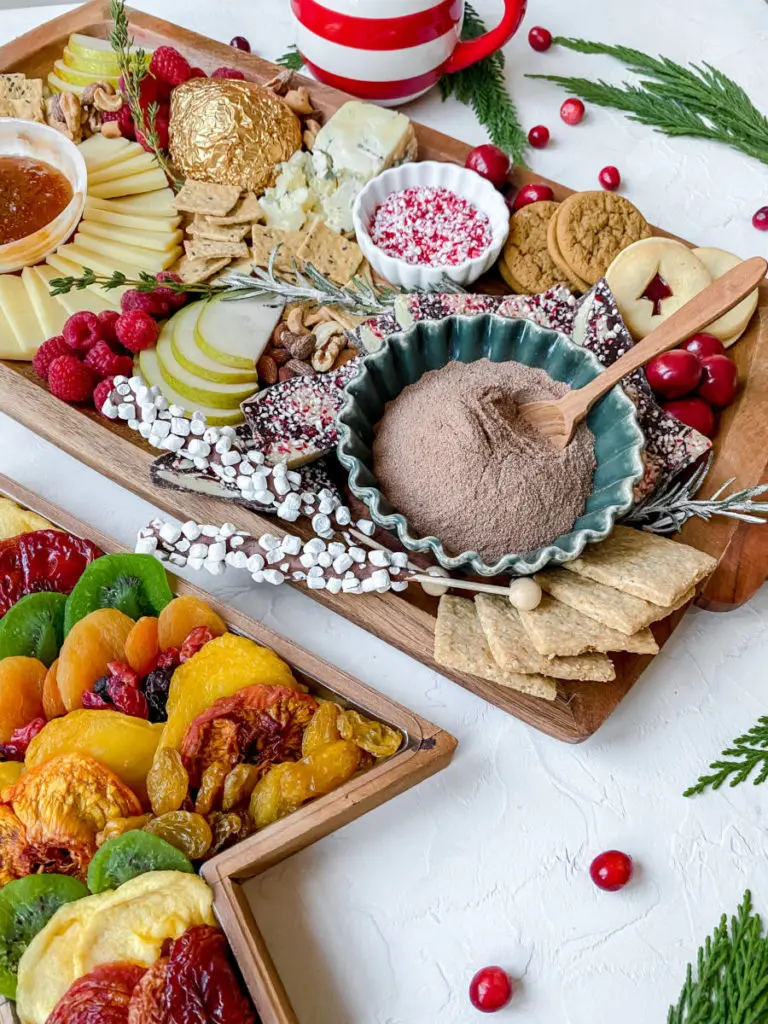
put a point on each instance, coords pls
(470, 52)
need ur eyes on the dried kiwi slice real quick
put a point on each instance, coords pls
(26, 906)
(131, 854)
(34, 627)
(134, 584)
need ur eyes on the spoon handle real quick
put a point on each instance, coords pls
(710, 304)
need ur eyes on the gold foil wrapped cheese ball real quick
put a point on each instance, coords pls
(231, 132)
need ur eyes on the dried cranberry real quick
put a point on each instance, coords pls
(124, 673)
(156, 687)
(94, 702)
(170, 658)
(197, 639)
(20, 739)
(127, 699)
(202, 984)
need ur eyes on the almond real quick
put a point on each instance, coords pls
(267, 370)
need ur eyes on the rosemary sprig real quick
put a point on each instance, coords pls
(292, 59)
(669, 508)
(730, 985)
(134, 68)
(747, 753)
(697, 100)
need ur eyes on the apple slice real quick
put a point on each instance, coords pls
(149, 367)
(59, 85)
(193, 359)
(236, 332)
(197, 389)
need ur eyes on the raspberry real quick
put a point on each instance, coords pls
(102, 391)
(48, 351)
(198, 73)
(169, 66)
(152, 91)
(70, 380)
(145, 302)
(127, 698)
(125, 120)
(176, 299)
(162, 121)
(105, 363)
(136, 330)
(228, 73)
(93, 702)
(107, 320)
(82, 331)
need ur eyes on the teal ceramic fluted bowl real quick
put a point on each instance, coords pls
(429, 345)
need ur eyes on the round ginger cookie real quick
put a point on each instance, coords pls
(530, 268)
(593, 228)
(574, 282)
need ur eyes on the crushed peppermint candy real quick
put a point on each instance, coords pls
(431, 226)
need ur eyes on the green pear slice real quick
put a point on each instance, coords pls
(236, 331)
(149, 368)
(192, 387)
(195, 360)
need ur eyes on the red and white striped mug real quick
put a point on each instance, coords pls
(391, 51)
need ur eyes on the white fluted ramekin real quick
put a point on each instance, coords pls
(467, 184)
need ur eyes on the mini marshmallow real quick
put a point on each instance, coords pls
(294, 478)
(125, 410)
(343, 515)
(227, 530)
(264, 497)
(342, 563)
(258, 576)
(291, 544)
(172, 443)
(379, 558)
(199, 448)
(214, 568)
(123, 389)
(316, 583)
(237, 559)
(177, 559)
(336, 548)
(228, 432)
(229, 472)
(280, 470)
(274, 556)
(198, 551)
(321, 524)
(176, 410)
(326, 507)
(223, 445)
(120, 379)
(230, 458)
(352, 586)
(236, 542)
(161, 429)
(211, 435)
(325, 560)
(285, 567)
(400, 559)
(146, 546)
(268, 541)
(148, 413)
(257, 458)
(314, 546)
(244, 483)
(380, 578)
(161, 403)
(255, 562)
(314, 572)
(280, 485)
(357, 554)
(109, 409)
(209, 530)
(274, 577)
(298, 576)
(142, 394)
(195, 563)
(308, 497)
(308, 560)
(308, 510)
(191, 530)
(290, 515)
(201, 463)
(246, 468)
(333, 586)
(183, 545)
(292, 501)
(366, 526)
(133, 424)
(217, 552)
(180, 426)
(399, 586)
(145, 429)
(197, 427)
(170, 533)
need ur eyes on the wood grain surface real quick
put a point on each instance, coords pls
(404, 620)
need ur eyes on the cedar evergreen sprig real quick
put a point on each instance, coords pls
(730, 982)
(134, 68)
(747, 754)
(697, 101)
(292, 59)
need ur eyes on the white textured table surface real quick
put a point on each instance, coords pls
(385, 922)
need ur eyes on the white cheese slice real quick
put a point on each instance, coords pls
(99, 152)
(161, 241)
(122, 255)
(9, 348)
(22, 319)
(147, 181)
(124, 169)
(100, 264)
(363, 140)
(86, 301)
(137, 222)
(50, 312)
(151, 204)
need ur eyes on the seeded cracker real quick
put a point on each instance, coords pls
(21, 97)
(197, 271)
(332, 254)
(554, 629)
(201, 228)
(203, 248)
(460, 644)
(645, 565)
(514, 652)
(201, 197)
(619, 611)
(266, 239)
(247, 210)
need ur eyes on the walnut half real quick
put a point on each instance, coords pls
(63, 112)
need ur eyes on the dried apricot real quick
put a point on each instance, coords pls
(211, 788)
(322, 730)
(9, 772)
(374, 737)
(187, 831)
(124, 744)
(89, 647)
(21, 693)
(53, 705)
(167, 782)
(141, 646)
(238, 786)
(181, 616)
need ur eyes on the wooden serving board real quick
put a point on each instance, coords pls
(427, 750)
(404, 620)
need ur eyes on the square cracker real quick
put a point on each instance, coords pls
(202, 197)
(554, 629)
(247, 210)
(613, 608)
(514, 652)
(645, 565)
(21, 97)
(334, 255)
(202, 228)
(265, 240)
(206, 249)
(197, 271)
(460, 644)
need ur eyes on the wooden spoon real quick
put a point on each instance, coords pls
(557, 419)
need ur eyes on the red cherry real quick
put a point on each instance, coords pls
(760, 219)
(490, 990)
(694, 413)
(674, 373)
(703, 345)
(490, 163)
(532, 194)
(240, 43)
(610, 178)
(719, 381)
(540, 38)
(611, 870)
(538, 136)
(572, 111)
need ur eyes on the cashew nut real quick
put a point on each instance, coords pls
(298, 100)
(295, 321)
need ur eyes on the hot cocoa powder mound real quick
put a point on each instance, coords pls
(452, 455)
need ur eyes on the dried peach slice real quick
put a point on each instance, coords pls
(141, 647)
(53, 705)
(181, 616)
(89, 647)
(21, 693)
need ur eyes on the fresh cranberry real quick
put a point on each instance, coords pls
(674, 373)
(538, 136)
(693, 412)
(490, 163)
(540, 38)
(719, 381)
(572, 111)
(610, 178)
(490, 990)
(760, 219)
(532, 194)
(611, 870)
(240, 43)
(703, 345)
(656, 292)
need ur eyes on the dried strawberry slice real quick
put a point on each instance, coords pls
(101, 997)
(197, 639)
(202, 986)
(51, 560)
